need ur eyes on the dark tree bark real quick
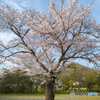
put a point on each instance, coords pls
(31, 89)
(36, 89)
(49, 93)
(13, 90)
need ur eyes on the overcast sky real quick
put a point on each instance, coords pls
(42, 5)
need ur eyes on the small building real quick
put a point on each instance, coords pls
(76, 83)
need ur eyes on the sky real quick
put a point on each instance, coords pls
(42, 5)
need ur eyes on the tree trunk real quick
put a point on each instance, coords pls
(57, 88)
(49, 94)
(13, 90)
(79, 87)
(36, 89)
(31, 88)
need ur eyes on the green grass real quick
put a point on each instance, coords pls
(22, 95)
(11, 96)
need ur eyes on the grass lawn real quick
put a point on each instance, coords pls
(41, 96)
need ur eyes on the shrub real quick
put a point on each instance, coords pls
(96, 88)
(6, 89)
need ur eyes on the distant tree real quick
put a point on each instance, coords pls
(15, 79)
(37, 82)
(7, 81)
(46, 41)
(90, 81)
(64, 80)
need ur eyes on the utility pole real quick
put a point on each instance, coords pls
(71, 75)
(72, 67)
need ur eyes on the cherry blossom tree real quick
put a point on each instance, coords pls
(44, 41)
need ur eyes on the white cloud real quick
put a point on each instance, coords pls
(6, 37)
(25, 3)
(6, 65)
(13, 4)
